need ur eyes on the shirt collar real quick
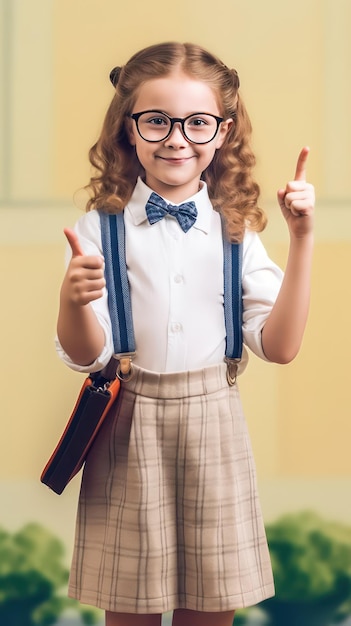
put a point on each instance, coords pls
(141, 194)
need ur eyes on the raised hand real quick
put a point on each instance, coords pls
(297, 199)
(84, 280)
(284, 328)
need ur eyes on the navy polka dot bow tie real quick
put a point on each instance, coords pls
(156, 208)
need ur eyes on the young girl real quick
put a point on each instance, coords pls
(169, 517)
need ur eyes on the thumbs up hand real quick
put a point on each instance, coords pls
(297, 199)
(84, 280)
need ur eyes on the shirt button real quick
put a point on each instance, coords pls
(176, 327)
(178, 278)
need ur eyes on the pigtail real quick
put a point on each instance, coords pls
(114, 75)
(234, 78)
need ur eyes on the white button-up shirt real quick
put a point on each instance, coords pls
(176, 284)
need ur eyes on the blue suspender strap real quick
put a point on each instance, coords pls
(113, 245)
(232, 253)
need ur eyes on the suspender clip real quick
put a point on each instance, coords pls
(232, 370)
(125, 366)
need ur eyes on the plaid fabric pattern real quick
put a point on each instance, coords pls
(168, 513)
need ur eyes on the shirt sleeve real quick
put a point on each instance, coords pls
(261, 283)
(261, 280)
(89, 233)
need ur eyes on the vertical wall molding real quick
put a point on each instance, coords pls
(337, 99)
(5, 97)
(26, 101)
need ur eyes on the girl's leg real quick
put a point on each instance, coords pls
(184, 617)
(131, 619)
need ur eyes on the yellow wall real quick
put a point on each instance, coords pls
(293, 60)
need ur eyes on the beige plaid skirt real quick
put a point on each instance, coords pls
(168, 514)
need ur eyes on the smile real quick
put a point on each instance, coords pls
(175, 160)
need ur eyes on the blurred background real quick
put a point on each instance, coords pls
(293, 59)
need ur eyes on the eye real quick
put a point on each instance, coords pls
(157, 120)
(197, 121)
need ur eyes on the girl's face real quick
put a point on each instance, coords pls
(173, 167)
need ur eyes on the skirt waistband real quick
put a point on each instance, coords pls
(177, 384)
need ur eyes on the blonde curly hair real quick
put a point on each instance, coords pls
(233, 191)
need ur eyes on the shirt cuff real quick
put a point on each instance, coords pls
(96, 366)
(253, 340)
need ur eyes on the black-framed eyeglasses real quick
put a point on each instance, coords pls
(156, 126)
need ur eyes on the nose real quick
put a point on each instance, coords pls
(176, 137)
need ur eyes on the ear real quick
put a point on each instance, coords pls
(223, 131)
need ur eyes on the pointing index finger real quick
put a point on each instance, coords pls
(300, 173)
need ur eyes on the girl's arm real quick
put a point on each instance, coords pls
(78, 329)
(284, 328)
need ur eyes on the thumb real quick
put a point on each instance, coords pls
(281, 196)
(73, 241)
